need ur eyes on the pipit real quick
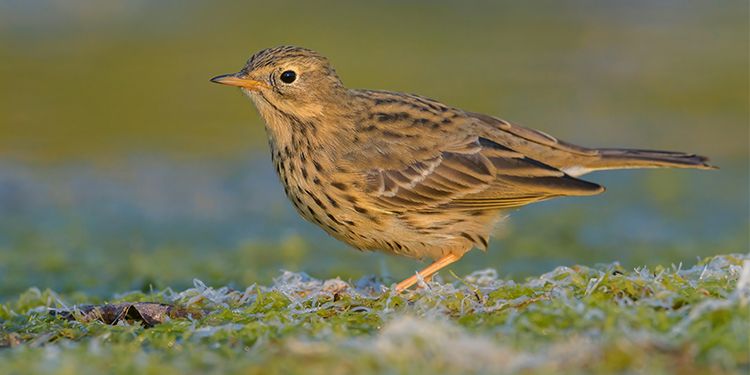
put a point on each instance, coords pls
(405, 174)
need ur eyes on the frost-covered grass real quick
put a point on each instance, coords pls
(598, 319)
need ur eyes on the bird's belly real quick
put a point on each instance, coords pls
(343, 210)
(367, 229)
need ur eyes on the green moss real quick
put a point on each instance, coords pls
(571, 320)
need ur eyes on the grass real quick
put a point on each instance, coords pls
(602, 319)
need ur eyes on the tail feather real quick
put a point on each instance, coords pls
(621, 158)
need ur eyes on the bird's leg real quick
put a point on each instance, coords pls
(427, 272)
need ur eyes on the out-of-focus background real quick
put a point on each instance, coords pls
(122, 167)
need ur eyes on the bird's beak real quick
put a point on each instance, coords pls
(235, 80)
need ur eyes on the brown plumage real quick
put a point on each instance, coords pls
(405, 174)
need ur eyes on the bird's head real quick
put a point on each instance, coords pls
(287, 80)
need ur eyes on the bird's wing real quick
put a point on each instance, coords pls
(476, 174)
(421, 154)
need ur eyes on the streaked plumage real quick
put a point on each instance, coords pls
(406, 174)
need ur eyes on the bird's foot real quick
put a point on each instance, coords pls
(427, 273)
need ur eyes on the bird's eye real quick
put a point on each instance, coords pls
(288, 76)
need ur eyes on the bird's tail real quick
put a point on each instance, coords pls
(622, 158)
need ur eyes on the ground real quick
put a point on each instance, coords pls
(600, 319)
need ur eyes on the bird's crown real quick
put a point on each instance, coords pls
(276, 55)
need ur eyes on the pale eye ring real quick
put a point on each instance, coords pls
(288, 76)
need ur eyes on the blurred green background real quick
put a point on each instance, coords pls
(122, 167)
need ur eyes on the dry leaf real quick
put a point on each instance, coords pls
(147, 313)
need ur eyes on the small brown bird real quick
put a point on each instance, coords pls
(408, 175)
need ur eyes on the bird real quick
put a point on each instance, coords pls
(405, 174)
